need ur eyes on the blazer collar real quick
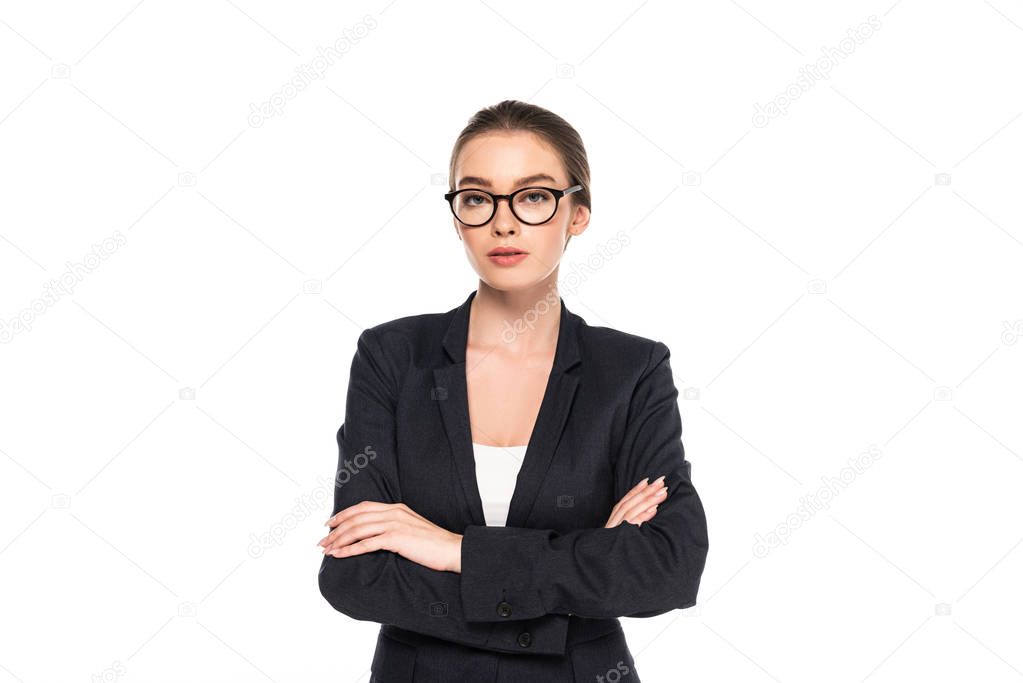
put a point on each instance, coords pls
(566, 355)
(451, 395)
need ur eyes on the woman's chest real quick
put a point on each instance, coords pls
(504, 397)
(575, 436)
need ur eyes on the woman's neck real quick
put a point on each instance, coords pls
(520, 322)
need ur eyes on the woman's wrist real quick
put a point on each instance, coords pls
(456, 554)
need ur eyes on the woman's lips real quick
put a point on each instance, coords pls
(507, 259)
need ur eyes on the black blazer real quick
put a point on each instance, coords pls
(553, 581)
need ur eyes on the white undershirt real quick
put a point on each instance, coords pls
(497, 468)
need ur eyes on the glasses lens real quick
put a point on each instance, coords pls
(473, 208)
(534, 205)
(531, 205)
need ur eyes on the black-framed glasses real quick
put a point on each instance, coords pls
(531, 205)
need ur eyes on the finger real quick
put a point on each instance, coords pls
(648, 516)
(354, 528)
(357, 532)
(644, 515)
(633, 514)
(653, 496)
(356, 509)
(615, 518)
(341, 514)
(366, 505)
(362, 547)
(357, 518)
(634, 490)
(643, 487)
(638, 499)
(638, 487)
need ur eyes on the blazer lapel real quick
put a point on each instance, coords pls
(451, 394)
(550, 422)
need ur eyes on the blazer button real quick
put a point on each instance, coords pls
(503, 609)
(525, 639)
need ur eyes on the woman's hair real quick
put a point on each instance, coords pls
(513, 115)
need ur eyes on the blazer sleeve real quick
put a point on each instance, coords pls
(383, 586)
(624, 571)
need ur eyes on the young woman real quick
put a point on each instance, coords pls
(511, 480)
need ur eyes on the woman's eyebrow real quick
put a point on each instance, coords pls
(476, 180)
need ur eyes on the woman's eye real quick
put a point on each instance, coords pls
(536, 197)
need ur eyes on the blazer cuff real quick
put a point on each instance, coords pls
(497, 582)
(547, 635)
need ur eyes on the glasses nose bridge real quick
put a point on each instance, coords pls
(508, 197)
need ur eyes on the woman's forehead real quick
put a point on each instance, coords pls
(505, 159)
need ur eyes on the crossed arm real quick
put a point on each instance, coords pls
(369, 526)
(482, 587)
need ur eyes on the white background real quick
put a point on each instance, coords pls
(823, 287)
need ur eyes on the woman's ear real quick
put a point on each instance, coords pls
(580, 221)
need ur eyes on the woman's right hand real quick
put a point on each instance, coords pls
(638, 505)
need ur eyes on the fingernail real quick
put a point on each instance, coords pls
(660, 478)
(646, 481)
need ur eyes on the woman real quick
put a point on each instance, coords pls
(483, 449)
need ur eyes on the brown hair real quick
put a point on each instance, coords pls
(514, 115)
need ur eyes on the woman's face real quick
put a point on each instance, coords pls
(501, 163)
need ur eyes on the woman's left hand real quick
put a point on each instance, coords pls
(370, 525)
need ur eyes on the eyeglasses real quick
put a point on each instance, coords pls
(531, 205)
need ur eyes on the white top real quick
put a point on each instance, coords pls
(497, 468)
